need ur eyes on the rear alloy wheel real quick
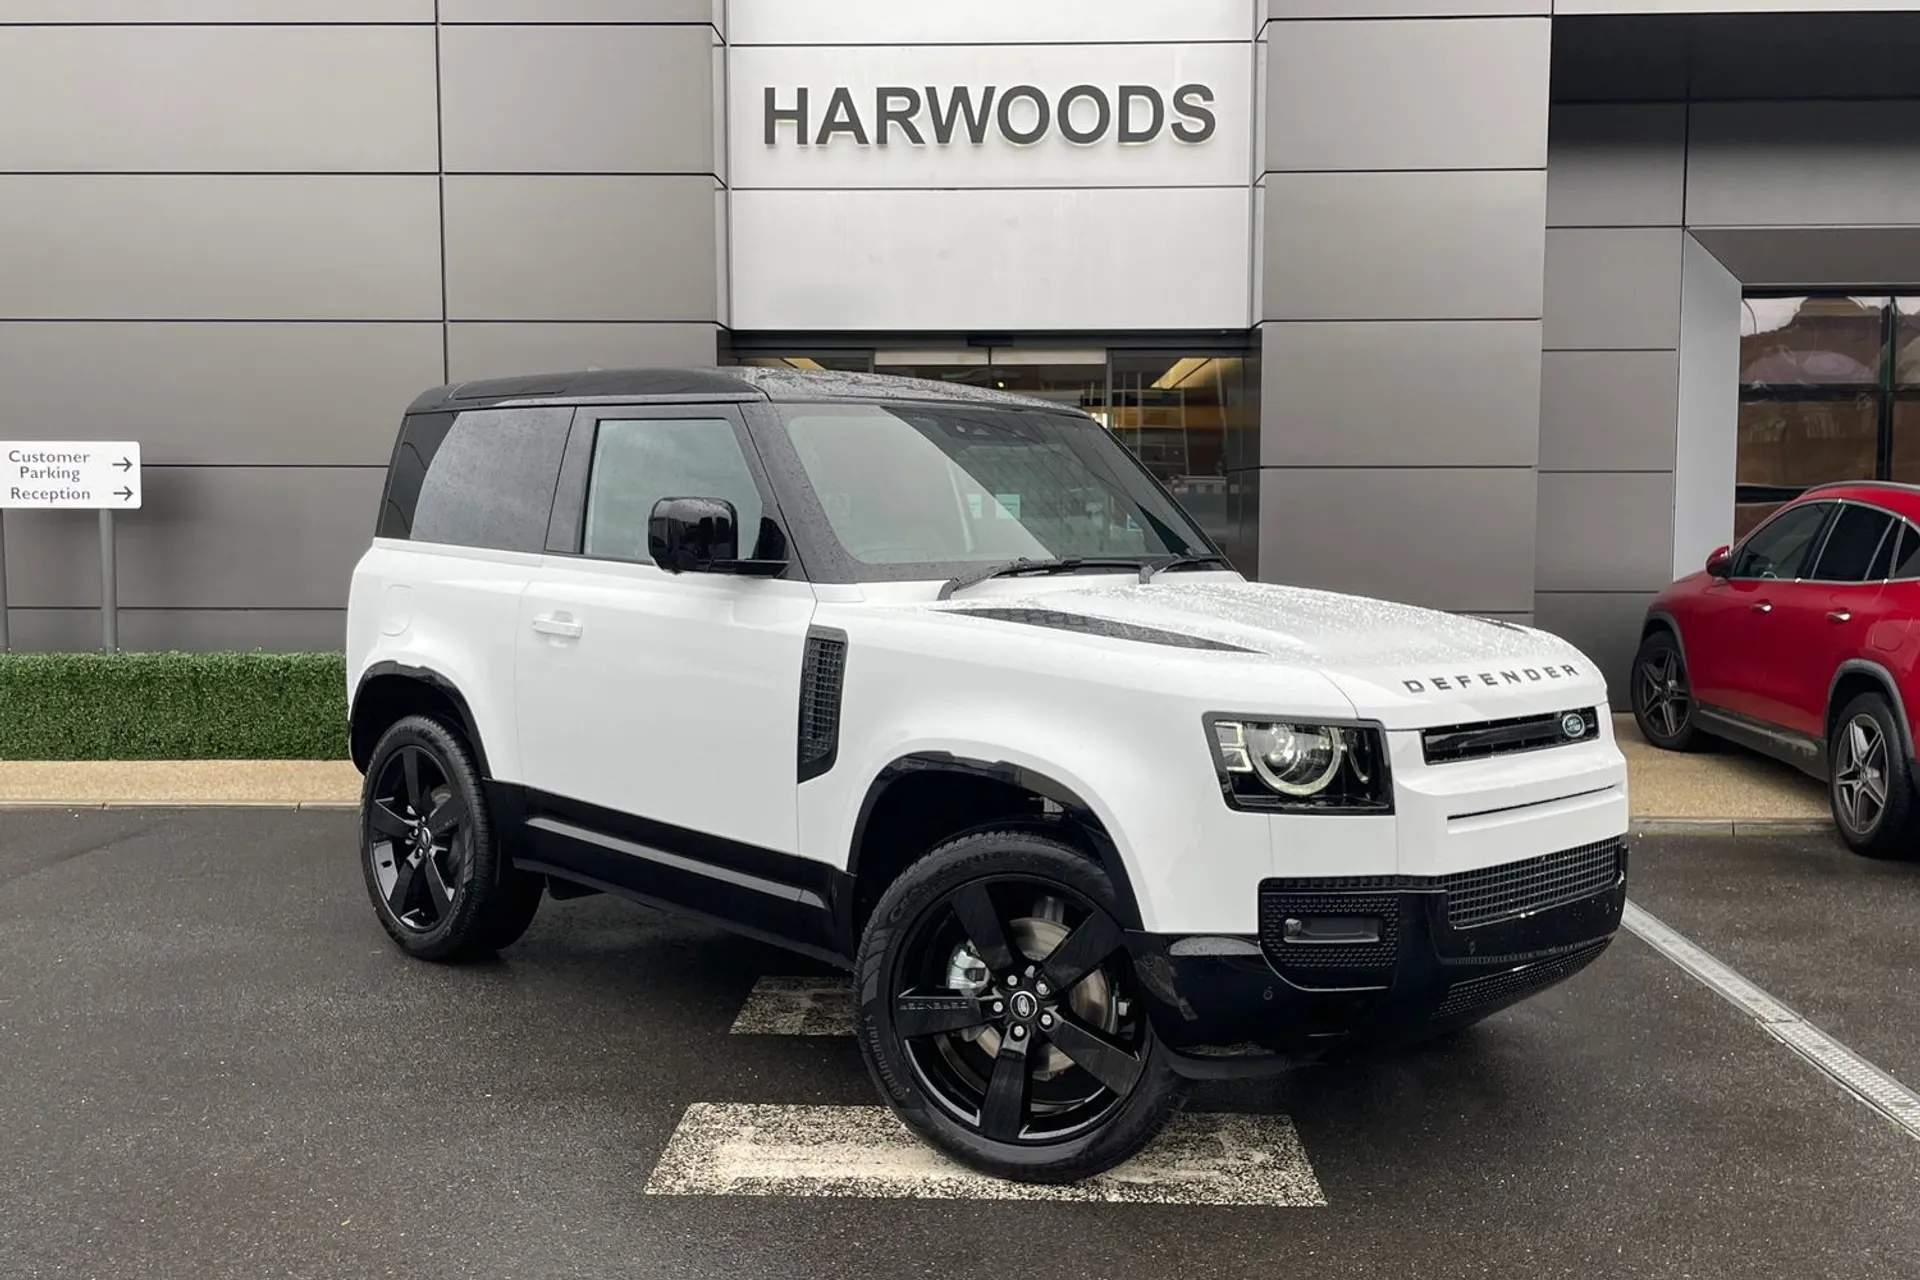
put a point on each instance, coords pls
(433, 869)
(1870, 781)
(1000, 1016)
(1662, 701)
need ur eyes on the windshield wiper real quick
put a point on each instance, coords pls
(1025, 565)
(1178, 562)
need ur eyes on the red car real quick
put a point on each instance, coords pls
(1802, 642)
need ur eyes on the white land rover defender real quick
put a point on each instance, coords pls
(939, 685)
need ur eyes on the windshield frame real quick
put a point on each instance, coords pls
(828, 561)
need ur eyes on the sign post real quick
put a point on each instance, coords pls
(52, 475)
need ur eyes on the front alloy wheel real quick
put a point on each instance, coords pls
(1662, 702)
(1007, 1027)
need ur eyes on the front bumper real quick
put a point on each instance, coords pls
(1378, 961)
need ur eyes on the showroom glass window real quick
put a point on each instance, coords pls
(1829, 390)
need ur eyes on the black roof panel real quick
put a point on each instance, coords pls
(732, 383)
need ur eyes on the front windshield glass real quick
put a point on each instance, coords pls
(954, 486)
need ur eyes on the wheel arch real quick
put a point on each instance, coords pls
(1662, 620)
(389, 691)
(972, 794)
(1862, 675)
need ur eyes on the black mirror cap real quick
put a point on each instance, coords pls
(690, 535)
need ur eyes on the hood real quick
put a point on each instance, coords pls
(1442, 667)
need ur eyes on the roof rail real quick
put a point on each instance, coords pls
(1854, 484)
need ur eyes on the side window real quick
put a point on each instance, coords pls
(1779, 548)
(489, 482)
(1906, 560)
(1853, 545)
(637, 462)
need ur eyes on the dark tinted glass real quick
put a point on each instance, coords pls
(1780, 548)
(637, 462)
(1816, 341)
(1882, 566)
(1906, 560)
(1851, 547)
(489, 482)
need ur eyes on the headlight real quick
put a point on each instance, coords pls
(1289, 764)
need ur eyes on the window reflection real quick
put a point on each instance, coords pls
(1812, 341)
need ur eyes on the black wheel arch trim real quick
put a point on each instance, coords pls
(1661, 618)
(1888, 686)
(1076, 813)
(435, 681)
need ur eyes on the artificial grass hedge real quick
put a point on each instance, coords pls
(173, 706)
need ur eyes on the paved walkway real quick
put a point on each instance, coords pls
(1727, 785)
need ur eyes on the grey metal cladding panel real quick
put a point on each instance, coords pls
(189, 630)
(1613, 288)
(235, 394)
(1461, 94)
(578, 99)
(1286, 9)
(1625, 59)
(577, 10)
(168, 11)
(1603, 625)
(1616, 165)
(1804, 164)
(493, 349)
(1817, 257)
(217, 99)
(1605, 531)
(1609, 410)
(1404, 246)
(271, 247)
(208, 537)
(1401, 393)
(574, 248)
(1452, 538)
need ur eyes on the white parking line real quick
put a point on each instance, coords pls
(1855, 1074)
(797, 1007)
(749, 1150)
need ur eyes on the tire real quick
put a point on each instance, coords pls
(1008, 1093)
(1870, 781)
(1662, 698)
(436, 874)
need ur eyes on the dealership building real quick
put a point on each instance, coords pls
(1510, 307)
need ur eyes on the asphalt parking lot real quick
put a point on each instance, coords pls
(214, 1064)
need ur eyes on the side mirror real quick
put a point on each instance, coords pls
(688, 535)
(701, 535)
(1720, 563)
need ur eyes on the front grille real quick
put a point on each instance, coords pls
(1487, 894)
(1504, 988)
(1507, 737)
(1276, 905)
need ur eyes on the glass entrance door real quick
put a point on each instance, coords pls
(1077, 378)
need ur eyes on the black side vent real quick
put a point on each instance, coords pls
(822, 676)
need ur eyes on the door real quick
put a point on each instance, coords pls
(1823, 620)
(1729, 637)
(667, 702)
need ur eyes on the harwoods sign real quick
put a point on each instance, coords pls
(1086, 114)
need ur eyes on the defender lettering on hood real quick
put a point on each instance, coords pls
(1493, 679)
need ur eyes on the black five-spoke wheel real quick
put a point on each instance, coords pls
(420, 854)
(433, 869)
(1008, 1028)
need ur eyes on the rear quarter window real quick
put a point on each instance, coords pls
(482, 478)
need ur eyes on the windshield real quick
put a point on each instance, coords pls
(947, 485)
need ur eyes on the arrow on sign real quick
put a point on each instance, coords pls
(124, 464)
(123, 493)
